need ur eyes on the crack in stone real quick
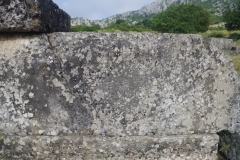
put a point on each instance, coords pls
(60, 65)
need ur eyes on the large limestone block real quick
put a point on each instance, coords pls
(194, 147)
(115, 84)
(32, 16)
(77, 93)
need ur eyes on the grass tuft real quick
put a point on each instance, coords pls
(236, 62)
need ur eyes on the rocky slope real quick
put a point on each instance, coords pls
(215, 6)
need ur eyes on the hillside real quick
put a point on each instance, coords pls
(215, 7)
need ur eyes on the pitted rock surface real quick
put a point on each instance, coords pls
(115, 84)
(32, 16)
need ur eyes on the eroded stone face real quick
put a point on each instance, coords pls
(114, 84)
(32, 16)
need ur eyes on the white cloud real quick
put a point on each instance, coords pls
(99, 9)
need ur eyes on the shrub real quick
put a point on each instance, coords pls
(83, 28)
(118, 21)
(217, 34)
(185, 18)
(232, 18)
(234, 36)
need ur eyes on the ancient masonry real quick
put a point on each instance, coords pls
(113, 95)
(32, 16)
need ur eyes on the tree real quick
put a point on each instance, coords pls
(185, 18)
(232, 18)
(82, 28)
(123, 26)
(119, 21)
(145, 23)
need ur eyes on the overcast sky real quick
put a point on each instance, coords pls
(99, 9)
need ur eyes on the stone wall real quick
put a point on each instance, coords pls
(32, 16)
(114, 96)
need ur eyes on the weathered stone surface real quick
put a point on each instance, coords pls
(195, 147)
(115, 84)
(32, 16)
(222, 43)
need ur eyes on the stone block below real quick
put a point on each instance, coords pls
(192, 147)
(222, 43)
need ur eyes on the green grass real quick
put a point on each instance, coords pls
(124, 27)
(215, 33)
(236, 43)
(224, 148)
(236, 62)
(219, 28)
(83, 28)
(221, 32)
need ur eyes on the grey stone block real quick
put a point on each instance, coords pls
(32, 16)
(237, 50)
(221, 43)
(115, 85)
(192, 147)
